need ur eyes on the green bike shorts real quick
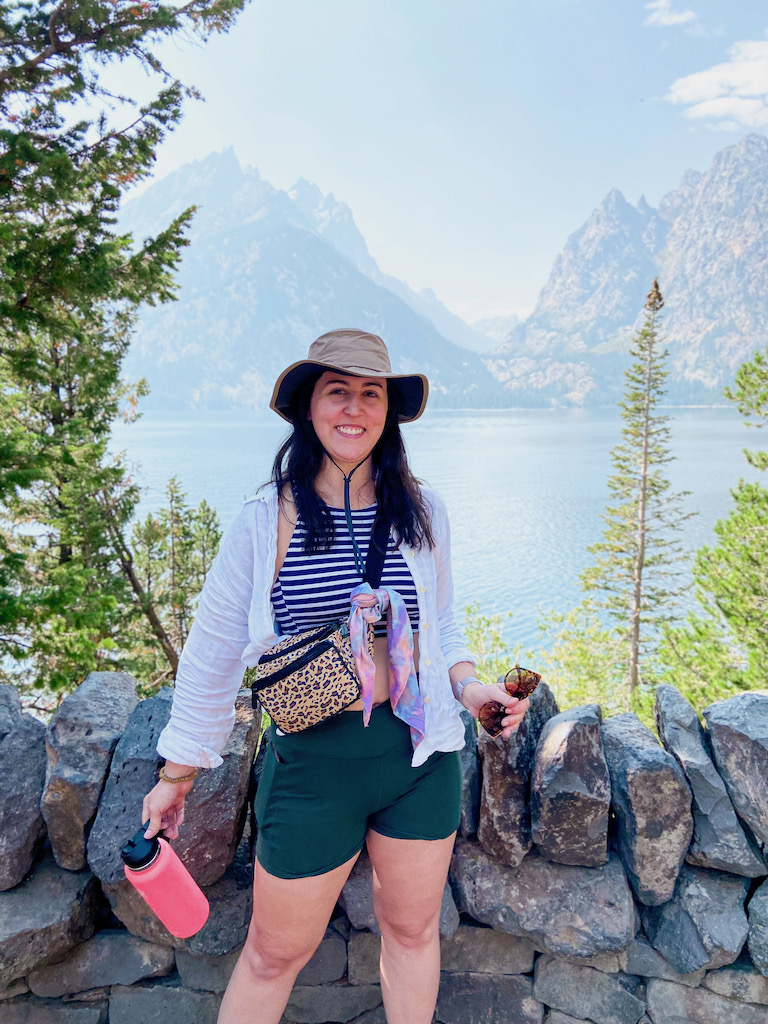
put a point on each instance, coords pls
(322, 789)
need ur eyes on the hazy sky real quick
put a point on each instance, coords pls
(471, 138)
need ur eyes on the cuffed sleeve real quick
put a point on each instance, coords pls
(452, 642)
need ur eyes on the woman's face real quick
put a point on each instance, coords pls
(348, 415)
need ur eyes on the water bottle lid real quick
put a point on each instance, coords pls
(139, 852)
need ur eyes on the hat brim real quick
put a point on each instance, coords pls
(412, 388)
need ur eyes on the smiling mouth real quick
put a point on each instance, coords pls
(351, 431)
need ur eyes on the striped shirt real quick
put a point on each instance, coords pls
(311, 590)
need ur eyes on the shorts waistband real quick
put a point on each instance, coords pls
(344, 735)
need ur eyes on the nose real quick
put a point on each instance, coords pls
(352, 403)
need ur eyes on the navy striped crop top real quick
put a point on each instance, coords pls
(313, 589)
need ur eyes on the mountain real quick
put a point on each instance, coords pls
(495, 328)
(707, 242)
(267, 271)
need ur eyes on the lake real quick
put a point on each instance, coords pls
(524, 488)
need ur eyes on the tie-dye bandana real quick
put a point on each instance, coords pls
(403, 686)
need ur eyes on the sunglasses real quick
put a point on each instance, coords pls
(518, 682)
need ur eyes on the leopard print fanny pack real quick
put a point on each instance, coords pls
(308, 677)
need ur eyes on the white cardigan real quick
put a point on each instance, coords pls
(234, 626)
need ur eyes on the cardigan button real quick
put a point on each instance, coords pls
(428, 661)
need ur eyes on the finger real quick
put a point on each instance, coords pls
(155, 824)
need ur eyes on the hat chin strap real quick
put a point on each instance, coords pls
(359, 560)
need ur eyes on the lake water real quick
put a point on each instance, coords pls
(524, 488)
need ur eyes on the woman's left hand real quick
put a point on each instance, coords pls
(477, 695)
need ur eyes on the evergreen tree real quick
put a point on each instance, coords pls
(70, 289)
(632, 586)
(723, 648)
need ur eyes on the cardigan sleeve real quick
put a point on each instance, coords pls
(211, 668)
(452, 642)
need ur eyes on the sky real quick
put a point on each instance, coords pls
(471, 137)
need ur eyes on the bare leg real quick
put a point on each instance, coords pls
(408, 881)
(289, 919)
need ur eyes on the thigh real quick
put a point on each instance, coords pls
(290, 915)
(423, 802)
(409, 877)
(311, 810)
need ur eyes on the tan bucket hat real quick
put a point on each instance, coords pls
(358, 354)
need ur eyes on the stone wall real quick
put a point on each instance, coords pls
(599, 876)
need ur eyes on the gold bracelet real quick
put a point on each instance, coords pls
(179, 778)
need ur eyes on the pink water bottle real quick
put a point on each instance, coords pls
(152, 867)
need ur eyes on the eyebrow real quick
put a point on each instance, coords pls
(366, 384)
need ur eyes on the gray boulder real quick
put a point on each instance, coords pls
(571, 789)
(758, 928)
(504, 828)
(586, 993)
(162, 1002)
(738, 733)
(563, 910)
(652, 804)
(31, 1010)
(473, 950)
(322, 1004)
(719, 840)
(363, 952)
(10, 709)
(80, 740)
(739, 981)
(642, 959)
(22, 774)
(108, 958)
(668, 1002)
(356, 899)
(704, 924)
(470, 777)
(44, 917)
(485, 999)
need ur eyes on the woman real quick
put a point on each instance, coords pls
(385, 774)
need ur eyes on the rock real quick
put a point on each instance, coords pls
(562, 909)
(668, 1002)
(227, 925)
(652, 803)
(356, 900)
(719, 840)
(484, 999)
(704, 924)
(587, 993)
(504, 828)
(162, 1003)
(132, 774)
(22, 774)
(739, 981)
(10, 709)
(19, 987)
(205, 973)
(571, 789)
(470, 777)
(80, 740)
(758, 928)
(31, 1010)
(642, 959)
(328, 963)
(473, 950)
(318, 1004)
(556, 1017)
(215, 808)
(108, 958)
(374, 1016)
(738, 733)
(363, 951)
(44, 917)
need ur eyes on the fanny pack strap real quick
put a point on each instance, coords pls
(377, 550)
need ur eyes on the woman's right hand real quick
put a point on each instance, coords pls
(164, 805)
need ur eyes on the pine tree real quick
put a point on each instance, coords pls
(70, 289)
(723, 647)
(633, 584)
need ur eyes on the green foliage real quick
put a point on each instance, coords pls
(723, 647)
(485, 638)
(70, 289)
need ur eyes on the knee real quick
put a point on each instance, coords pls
(410, 931)
(267, 958)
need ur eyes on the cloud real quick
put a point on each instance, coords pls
(662, 15)
(732, 95)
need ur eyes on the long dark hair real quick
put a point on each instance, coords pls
(300, 458)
